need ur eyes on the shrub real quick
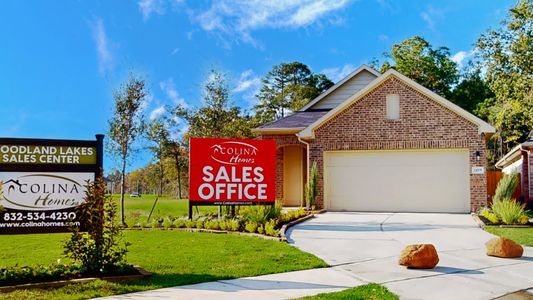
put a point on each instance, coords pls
(223, 224)
(508, 210)
(311, 188)
(270, 228)
(523, 219)
(99, 250)
(234, 225)
(179, 223)
(190, 223)
(260, 214)
(260, 229)
(200, 224)
(168, 223)
(250, 226)
(156, 223)
(211, 224)
(489, 215)
(506, 187)
(40, 273)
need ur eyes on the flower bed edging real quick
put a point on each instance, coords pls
(478, 220)
(60, 283)
(482, 223)
(285, 227)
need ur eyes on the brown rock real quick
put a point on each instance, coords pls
(502, 247)
(420, 256)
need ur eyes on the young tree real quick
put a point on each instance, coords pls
(418, 60)
(126, 125)
(158, 135)
(288, 87)
(507, 55)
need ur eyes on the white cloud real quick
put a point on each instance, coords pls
(169, 88)
(431, 16)
(383, 37)
(238, 17)
(149, 7)
(176, 50)
(336, 74)
(157, 112)
(247, 81)
(104, 46)
(460, 57)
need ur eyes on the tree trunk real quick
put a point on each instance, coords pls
(177, 158)
(161, 175)
(122, 191)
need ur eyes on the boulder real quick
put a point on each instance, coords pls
(419, 256)
(502, 247)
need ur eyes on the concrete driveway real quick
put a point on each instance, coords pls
(366, 246)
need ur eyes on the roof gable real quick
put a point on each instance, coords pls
(483, 127)
(343, 89)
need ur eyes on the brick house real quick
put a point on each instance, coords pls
(382, 142)
(520, 160)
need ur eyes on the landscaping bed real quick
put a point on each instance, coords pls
(370, 291)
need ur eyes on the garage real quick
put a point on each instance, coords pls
(397, 180)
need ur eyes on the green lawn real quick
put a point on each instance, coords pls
(175, 258)
(166, 206)
(370, 291)
(522, 236)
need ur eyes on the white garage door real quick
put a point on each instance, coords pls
(397, 181)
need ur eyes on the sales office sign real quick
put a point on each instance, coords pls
(232, 171)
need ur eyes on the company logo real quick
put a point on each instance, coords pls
(41, 191)
(234, 153)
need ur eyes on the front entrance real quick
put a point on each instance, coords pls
(293, 176)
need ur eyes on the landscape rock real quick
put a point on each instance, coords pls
(419, 256)
(502, 247)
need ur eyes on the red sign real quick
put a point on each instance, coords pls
(229, 171)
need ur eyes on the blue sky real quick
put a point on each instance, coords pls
(61, 60)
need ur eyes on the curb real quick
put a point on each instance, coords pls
(479, 222)
(285, 227)
(60, 283)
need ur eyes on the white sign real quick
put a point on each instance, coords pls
(42, 190)
(478, 170)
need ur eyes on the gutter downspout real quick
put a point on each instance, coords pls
(307, 158)
(528, 172)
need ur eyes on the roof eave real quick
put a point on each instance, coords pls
(510, 156)
(277, 130)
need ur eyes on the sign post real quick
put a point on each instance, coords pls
(43, 181)
(231, 172)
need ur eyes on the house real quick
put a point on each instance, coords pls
(520, 160)
(382, 142)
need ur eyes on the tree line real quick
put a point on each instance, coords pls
(496, 85)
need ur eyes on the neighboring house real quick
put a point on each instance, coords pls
(520, 160)
(382, 142)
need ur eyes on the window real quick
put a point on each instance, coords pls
(393, 107)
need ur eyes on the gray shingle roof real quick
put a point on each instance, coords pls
(300, 119)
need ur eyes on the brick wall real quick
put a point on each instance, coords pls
(423, 124)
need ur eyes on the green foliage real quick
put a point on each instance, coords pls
(200, 224)
(506, 186)
(418, 60)
(523, 219)
(251, 226)
(190, 223)
(216, 118)
(180, 223)
(212, 224)
(270, 228)
(489, 215)
(234, 225)
(260, 229)
(471, 91)
(507, 53)
(311, 189)
(98, 251)
(260, 214)
(38, 273)
(168, 223)
(288, 86)
(508, 210)
(371, 291)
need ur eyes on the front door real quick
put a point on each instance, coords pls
(293, 190)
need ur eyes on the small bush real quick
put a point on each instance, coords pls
(260, 229)
(200, 224)
(523, 219)
(168, 223)
(212, 224)
(508, 210)
(506, 187)
(190, 223)
(489, 215)
(234, 225)
(179, 223)
(250, 226)
(270, 228)
(223, 224)
(156, 223)
(311, 188)
(260, 214)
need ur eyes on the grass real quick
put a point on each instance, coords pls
(370, 291)
(522, 236)
(175, 258)
(166, 206)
